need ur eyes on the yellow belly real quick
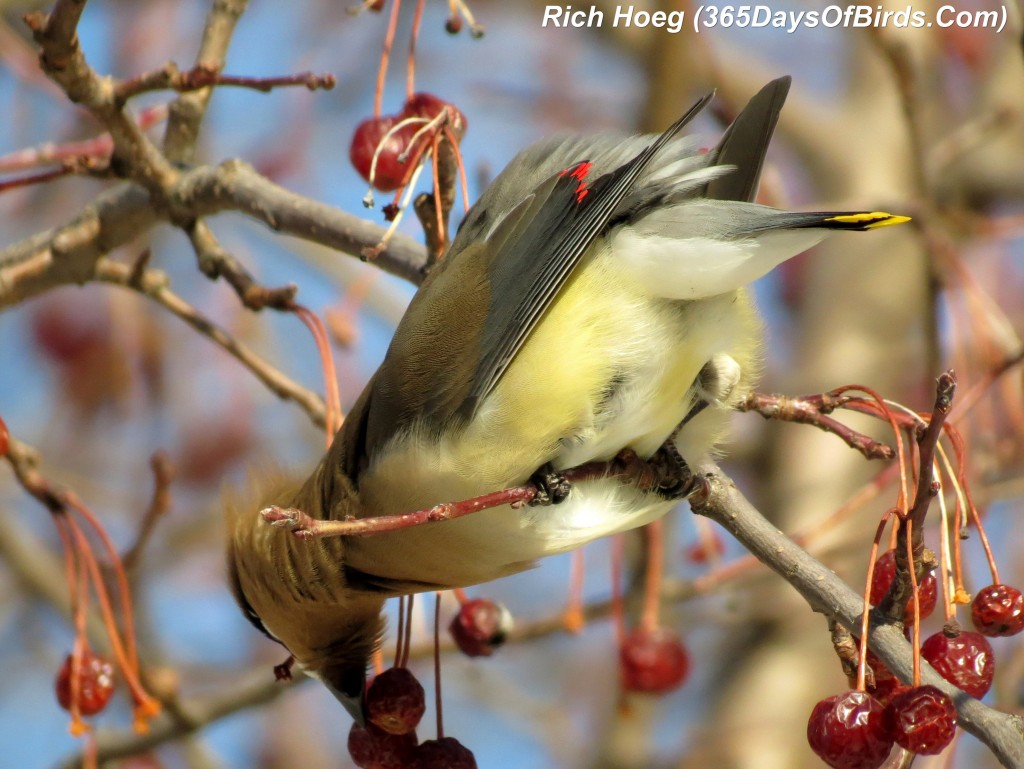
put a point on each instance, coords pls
(609, 367)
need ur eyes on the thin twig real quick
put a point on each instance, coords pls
(154, 284)
(626, 467)
(163, 475)
(189, 109)
(813, 410)
(900, 591)
(216, 262)
(203, 76)
(98, 147)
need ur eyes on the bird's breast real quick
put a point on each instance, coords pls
(609, 367)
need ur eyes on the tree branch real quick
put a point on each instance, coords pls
(134, 156)
(825, 592)
(154, 284)
(235, 185)
(69, 254)
(189, 109)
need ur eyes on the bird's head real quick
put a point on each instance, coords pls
(296, 593)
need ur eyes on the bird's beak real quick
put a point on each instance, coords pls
(354, 705)
(348, 685)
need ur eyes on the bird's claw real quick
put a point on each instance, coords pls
(283, 672)
(552, 487)
(674, 479)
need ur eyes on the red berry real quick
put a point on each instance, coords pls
(69, 330)
(998, 610)
(395, 701)
(389, 173)
(703, 550)
(885, 685)
(5, 438)
(922, 720)
(426, 105)
(886, 689)
(453, 25)
(653, 661)
(965, 660)
(445, 753)
(480, 627)
(373, 748)
(96, 684)
(882, 577)
(849, 731)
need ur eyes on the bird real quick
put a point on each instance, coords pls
(593, 300)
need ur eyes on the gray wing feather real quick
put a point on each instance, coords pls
(535, 262)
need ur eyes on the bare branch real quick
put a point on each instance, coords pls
(204, 76)
(814, 411)
(68, 254)
(234, 185)
(134, 156)
(188, 110)
(154, 284)
(190, 717)
(215, 262)
(825, 592)
(163, 475)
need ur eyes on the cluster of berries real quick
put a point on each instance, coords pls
(857, 729)
(394, 706)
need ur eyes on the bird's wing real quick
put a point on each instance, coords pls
(539, 244)
(478, 306)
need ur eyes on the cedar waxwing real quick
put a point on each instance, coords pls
(593, 300)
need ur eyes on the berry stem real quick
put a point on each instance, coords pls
(120, 577)
(652, 581)
(442, 236)
(144, 704)
(410, 65)
(385, 55)
(91, 757)
(79, 591)
(865, 621)
(475, 29)
(437, 664)
(574, 611)
(618, 609)
(915, 598)
(973, 511)
(407, 641)
(332, 396)
(453, 140)
(958, 568)
(400, 631)
(946, 559)
(881, 407)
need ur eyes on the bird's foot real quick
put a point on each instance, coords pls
(673, 478)
(552, 486)
(283, 672)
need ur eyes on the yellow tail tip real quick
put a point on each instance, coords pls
(870, 220)
(889, 220)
